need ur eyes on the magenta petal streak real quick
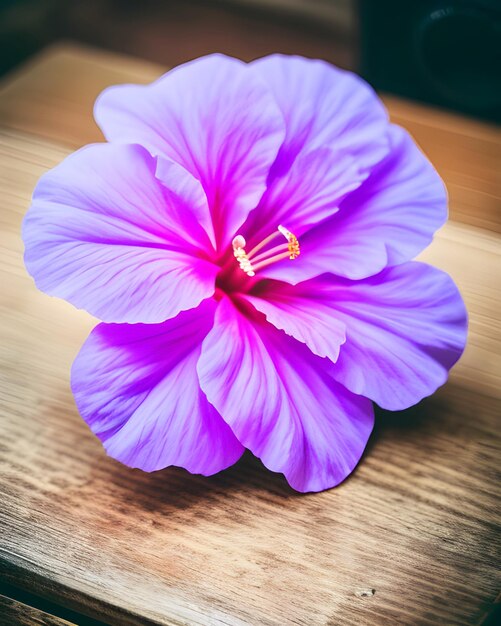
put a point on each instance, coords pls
(281, 402)
(137, 387)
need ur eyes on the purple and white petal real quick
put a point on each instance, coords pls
(187, 205)
(301, 312)
(105, 234)
(137, 388)
(405, 329)
(388, 220)
(310, 192)
(324, 106)
(213, 117)
(281, 402)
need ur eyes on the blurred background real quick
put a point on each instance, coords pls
(446, 52)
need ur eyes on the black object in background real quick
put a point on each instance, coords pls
(443, 52)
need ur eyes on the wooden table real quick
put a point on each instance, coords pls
(411, 538)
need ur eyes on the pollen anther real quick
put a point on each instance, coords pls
(238, 244)
(293, 246)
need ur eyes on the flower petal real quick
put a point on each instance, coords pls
(214, 118)
(324, 106)
(405, 328)
(188, 204)
(281, 402)
(302, 313)
(311, 191)
(107, 236)
(388, 220)
(137, 388)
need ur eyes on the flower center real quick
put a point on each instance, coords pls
(250, 262)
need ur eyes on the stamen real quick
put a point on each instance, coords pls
(270, 252)
(262, 244)
(272, 259)
(250, 262)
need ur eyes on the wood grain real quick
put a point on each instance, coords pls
(467, 154)
(16, 613)
(411, 538)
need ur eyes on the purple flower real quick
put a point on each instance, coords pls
(246, 237)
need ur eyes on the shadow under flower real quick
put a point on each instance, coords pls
(176, 489)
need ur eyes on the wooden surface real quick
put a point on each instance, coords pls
(411, 538)
(16, 613)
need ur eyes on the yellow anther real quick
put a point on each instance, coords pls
(293, 247)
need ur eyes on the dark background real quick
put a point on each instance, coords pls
(447, 52)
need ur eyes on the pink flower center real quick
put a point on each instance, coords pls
(262, 254)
